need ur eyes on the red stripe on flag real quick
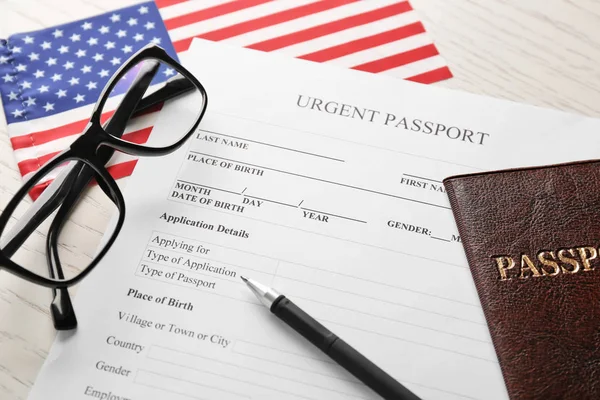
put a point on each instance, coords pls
(211, 12)
(331, 27)
(117, 171)
(33, 164)
(35, 192)
(263, 22)
(138, 137)
(167, 3)
(74, 128)
(398, 60)
(37, 138)
(355, 46)
(123, 169)
(432, 76)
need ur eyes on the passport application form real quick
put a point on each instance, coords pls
(326, 185)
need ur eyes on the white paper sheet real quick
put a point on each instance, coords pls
(336, 202)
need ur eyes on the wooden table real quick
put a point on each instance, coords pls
(541, 52)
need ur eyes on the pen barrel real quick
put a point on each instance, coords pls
(341, 352)
(303, 323)
(368, 373)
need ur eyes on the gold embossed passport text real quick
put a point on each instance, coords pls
(532, 239)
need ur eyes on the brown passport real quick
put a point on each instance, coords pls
(532, 238)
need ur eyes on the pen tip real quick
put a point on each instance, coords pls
(244, 279)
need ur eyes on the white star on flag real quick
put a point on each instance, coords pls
(115, 61)
(57, 33)
(149, 25)
(3, 60)
(63, 49)
(21, 68)
(75, 37)
(155, 40)
(104, 73)
(98, 57)
(104, 29)
(127, 49)
(32, 57)
(26, 85)
(16, 49)
(115, 18)
(68, 65)
(86, 26)
(92, 41)
(39, 74)
(30, 102)
(49, 107)
(8, 78)
(74, 81)
(91, 85)
(61, 93)
(28, 39)
(109, 45)
(51, 61)
(13, 96)
(56, 77)
(86, 69)
(121, 33)
(143, 10)
(43, 89)
(17, 113)
(79, 98)
(46, 45)
(138, 37)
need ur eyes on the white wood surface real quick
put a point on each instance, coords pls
(541, 52)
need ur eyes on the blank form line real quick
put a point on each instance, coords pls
(334, 215)
(269, 374)
(391, 319)
(408, 341)
(193, 383)
(172, 391)
(325, 181)
(439, 238)
(381, 300)
(273, 145)
(380, 283)
(424, 179)
(360, 383)
(208, 187)
(296, 367)
(323, 360)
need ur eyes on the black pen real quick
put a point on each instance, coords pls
(329, 343)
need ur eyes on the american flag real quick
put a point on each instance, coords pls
(50, 79)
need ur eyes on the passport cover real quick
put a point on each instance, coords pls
(531, 237)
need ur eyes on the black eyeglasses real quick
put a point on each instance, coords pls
(59, 216)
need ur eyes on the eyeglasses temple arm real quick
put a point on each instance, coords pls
(61, 307)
